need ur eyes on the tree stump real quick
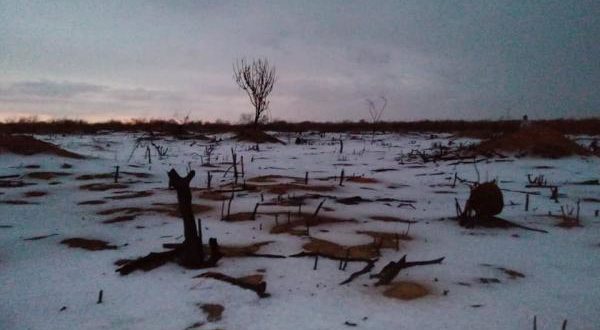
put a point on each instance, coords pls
(193, 252)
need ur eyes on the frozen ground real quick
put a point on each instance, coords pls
(48, 285)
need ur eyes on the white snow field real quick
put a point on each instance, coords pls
(491, 278)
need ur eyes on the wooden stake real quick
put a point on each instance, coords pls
(527, 202)
(242, 164)
(255, 210)
(342, 178)
(117, 174)
(99, 297)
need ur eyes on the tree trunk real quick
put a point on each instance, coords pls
(193, 253)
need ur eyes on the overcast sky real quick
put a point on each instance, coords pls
(447, 59)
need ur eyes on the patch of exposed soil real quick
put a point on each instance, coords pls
(14, 183)
(360, 179)
(385, 240)
(46, 175)
(355, 200)
(102, 186)
(301, 220)
(534, 140)
(284, 188)
(28, 145)
(213, 195)
(213, 311)
(336, 251)
(86, 177)
(92, 202)
(135, 194)
(238, 217)
(386, 218)
(16, 202)
(35, 193)
(242, 250)
(256, 136)
(271, 178)
(406, 290)
(88, 244)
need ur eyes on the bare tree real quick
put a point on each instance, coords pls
(257, 80)
(376, 112)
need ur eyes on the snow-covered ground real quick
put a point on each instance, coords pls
(47, 285)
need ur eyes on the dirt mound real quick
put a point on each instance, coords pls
(406, 291)
(535, 141)
(28, 145)
(256, 136)
(88, 244)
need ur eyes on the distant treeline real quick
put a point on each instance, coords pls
(589, 126)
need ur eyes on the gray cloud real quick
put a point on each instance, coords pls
(433, 59)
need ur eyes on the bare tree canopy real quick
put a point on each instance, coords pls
(376, 112)
(256, 79)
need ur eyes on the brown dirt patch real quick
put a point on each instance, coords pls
(16, 202)
(88, 244)
(406, 291)
(238, 217)
(92, 202)
(172, 209)
(256, 136)
(213, 195)
(120, 218)
(14, 183)
(254, 279)
(124, 214)
(102, 186)
(271, 178)
(100, 176)
(242, 250)
(28, 145)
(86, 177)
(385, 240)
(360, 179)
(46, 175)
(386, 218)
(213, 311)
(334, 250)
(135, 194)
(35, 193)
(534, 140)
(300, 220)
(284, 188)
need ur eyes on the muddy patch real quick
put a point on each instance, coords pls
(102, 186)
(355, 200)
(360, 179)
(88, 244)
(17, 202)
(386, 218)
(242, 250)
(131, 195)
(92, 202)
(406, 290)
(14, 183)
(337, 251)
(46, 175)
(213, 311)
(288, 225)
(35, 193)
(386, 240)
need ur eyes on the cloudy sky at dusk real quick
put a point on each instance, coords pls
(432, 59)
